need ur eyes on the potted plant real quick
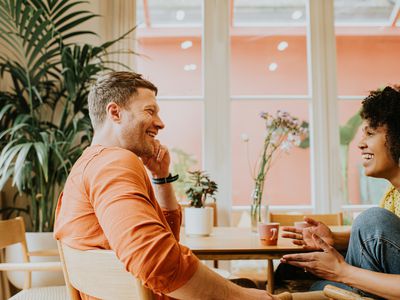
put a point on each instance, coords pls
(199, 217)
(44, 120)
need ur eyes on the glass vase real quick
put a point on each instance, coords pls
(258, 212)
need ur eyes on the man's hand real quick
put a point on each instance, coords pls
(328, 264)
(158, 164)
(303, 236)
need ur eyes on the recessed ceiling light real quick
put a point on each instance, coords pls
(282, 45)
(297, 14)
(186, 44)
(190, 67)
(244, 137)
(272, 67)
(180, 15)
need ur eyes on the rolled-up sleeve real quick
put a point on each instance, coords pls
(144, 240)
(174, 219)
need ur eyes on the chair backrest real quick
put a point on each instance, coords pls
(12, 232)
(100, 274)
(288, 219)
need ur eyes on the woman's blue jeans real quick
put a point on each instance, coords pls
(374, 245)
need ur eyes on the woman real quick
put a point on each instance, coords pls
(372, 264)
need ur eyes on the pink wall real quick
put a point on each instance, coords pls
(288, 181)
(251, 57)
(364, 63)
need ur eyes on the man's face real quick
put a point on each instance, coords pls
(376, 157)
(140, 123)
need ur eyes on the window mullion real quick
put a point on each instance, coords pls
(325, 159)
(216, 137)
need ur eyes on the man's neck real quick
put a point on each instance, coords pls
(105, 137)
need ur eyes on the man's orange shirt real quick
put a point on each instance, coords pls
(108, 203)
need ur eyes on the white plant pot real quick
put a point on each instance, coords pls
(199, 221)
(36, 241)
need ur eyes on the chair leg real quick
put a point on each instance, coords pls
(216, 264)
(270, 276)
(5, 291)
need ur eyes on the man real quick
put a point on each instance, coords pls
(108, 201)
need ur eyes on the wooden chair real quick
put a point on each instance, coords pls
(13, 232)
(100, 274)
(288, 219)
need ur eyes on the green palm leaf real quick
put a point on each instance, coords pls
(49, 73)
(42, 154)
(19, 177)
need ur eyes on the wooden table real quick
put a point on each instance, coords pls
(232, 243)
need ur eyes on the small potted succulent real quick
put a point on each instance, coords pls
(199, 217)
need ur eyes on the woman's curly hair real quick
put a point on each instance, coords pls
(382, 108)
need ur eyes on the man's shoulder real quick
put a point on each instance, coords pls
(112, 157)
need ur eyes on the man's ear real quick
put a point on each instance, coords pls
(113, 112)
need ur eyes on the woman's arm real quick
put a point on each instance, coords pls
(380, 284)
(330, 265)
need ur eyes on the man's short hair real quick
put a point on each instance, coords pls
(116, 87)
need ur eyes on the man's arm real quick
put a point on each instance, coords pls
(165, 196)
(206, 284)
(158, 165)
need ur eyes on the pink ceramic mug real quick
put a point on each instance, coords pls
(301, 225)
(268, 233)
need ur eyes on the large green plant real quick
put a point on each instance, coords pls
(44, 122)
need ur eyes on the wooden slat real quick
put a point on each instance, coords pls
(31, 266)
(288, 219)
(47, 252)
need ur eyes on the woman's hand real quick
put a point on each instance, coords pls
(303, 236)
(328, 264)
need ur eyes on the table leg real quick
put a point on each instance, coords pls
(270, 276)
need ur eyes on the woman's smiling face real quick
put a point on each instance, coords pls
(376, 157)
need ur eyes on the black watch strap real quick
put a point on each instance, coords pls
(168, 179)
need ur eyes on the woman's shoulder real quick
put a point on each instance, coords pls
(391, 200)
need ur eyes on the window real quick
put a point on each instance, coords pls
(269, 69)
(268, 66)
(169, 41)
(367, 43)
